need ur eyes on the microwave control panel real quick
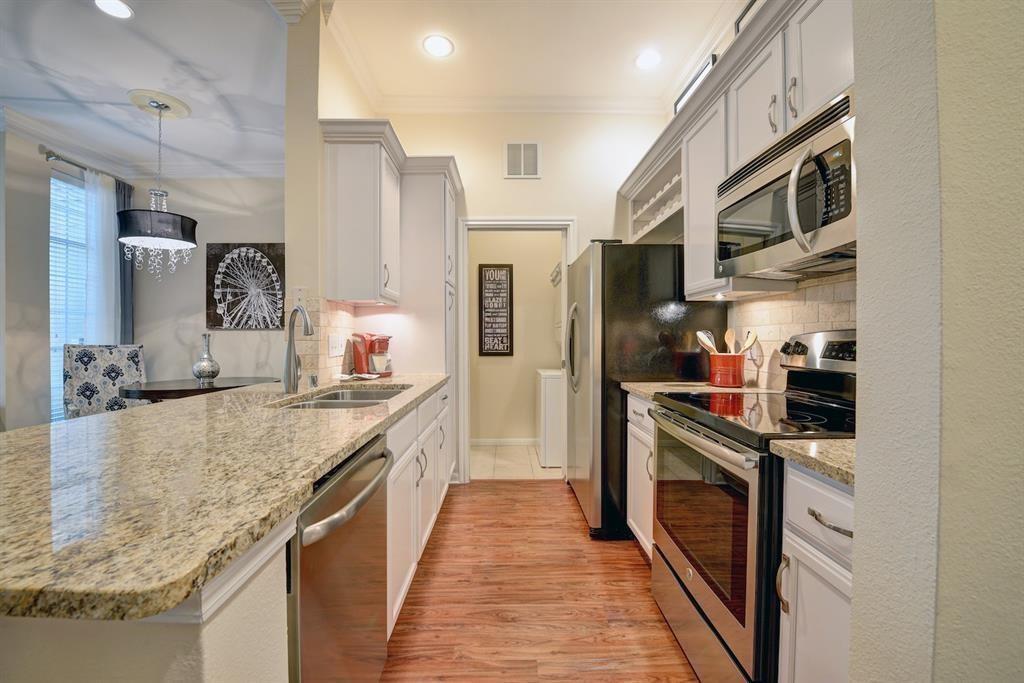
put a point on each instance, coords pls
(837, 182)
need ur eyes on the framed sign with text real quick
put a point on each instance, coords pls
(495, 283)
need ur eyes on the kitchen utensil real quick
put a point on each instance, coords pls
(748, 342)
(707, 340)
(730, 340)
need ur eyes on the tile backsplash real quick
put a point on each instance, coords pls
(819, 304)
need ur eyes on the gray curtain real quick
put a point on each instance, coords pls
(124, 193)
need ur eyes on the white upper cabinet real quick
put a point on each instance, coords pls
(755, 104)
(451, 246)
(704, 166)
(819, 56)
(362, 211)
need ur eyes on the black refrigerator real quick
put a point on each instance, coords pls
(628, 321)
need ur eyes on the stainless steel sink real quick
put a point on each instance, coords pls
(347, 399)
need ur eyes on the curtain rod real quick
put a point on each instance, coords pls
(54, 156)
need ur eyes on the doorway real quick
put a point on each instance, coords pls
(503, 380)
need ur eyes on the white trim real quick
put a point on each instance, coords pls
(291, 11)
(570, 250)
(365, 130)
(521, 104)
(202, 605)
(526, 441)
(431, 165)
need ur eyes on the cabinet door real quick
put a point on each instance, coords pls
(450, 236)
(403, 533)
(390, 229)
(704, 166)
(640, 485)
(819, 56)
(451, 353)
(451, 442)
(755, 104)
(426, 489)
(443, 455)
(814, 634)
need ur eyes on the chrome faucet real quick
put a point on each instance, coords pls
(292, 362)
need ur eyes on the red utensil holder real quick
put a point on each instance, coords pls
(727, 369)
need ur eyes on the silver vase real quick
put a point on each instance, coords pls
(206, 368)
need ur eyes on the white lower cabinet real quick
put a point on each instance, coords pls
(403, 532)
(444, 450)
(815, 582)
(640, 485)
(426, 487)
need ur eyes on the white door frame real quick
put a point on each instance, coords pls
(570, 250)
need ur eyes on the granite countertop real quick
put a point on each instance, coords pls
(832, 457)
(647, 390)
(123, 515)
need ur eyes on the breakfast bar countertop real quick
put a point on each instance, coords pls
(123, 515)
(833, 458)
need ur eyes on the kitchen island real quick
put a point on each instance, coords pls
(136, 517)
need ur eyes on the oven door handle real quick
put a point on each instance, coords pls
(711, 449)
(794, 216)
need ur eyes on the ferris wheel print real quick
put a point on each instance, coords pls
(247, 291)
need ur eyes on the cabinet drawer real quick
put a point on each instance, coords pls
(805, 496)
(636, 412)
(402, 434)
(428, 410)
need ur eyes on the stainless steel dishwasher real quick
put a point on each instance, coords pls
(337, 573)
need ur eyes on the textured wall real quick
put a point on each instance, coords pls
(980, 607)
(899, 342)
(816, 305)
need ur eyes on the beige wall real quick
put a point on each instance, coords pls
(340, 96)
(170, 314)
(980, 606)
(816, 305)
(503, 389)
(26, 276)
(584, 157)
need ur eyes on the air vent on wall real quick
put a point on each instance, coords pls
(522, 160)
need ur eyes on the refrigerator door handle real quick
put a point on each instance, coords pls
(570, 356)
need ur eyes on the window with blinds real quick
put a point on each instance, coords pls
(68, 264)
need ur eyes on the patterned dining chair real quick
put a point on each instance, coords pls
(93, 373)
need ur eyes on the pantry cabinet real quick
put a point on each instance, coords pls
(755, 104)
(819, 56)
(640, 471)
(361, 235)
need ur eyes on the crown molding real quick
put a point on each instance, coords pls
(292, 10)
(435, 165)
(365, 130)
(531, 104)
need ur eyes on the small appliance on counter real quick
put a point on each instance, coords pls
(719, 498)
(370, 354)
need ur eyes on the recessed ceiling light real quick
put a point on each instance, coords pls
(648, 59)
(115, 8)
(437, 45)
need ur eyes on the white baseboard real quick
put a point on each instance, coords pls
(503, 442)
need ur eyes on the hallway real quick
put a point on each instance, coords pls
(510, 587)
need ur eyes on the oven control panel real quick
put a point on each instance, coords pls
(833, 350)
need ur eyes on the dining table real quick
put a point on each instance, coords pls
(182, 388)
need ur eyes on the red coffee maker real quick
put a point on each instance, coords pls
(370, 353)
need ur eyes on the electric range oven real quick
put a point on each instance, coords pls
(718, 504)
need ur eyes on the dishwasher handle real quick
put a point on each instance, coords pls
(316, 532)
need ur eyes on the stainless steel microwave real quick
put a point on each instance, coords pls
(791, 212)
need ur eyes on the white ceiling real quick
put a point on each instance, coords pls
(528, 55)
(69, 67)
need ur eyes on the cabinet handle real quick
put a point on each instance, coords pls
(387, 275)
(789, 96)
(771, 115)
(637, 413)
(783, 602)
(647, 465)
(820, 519)
(451, 300)
(422, 466)
(451, 263)
(442, 437)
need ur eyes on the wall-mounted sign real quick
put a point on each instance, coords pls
(495, 309)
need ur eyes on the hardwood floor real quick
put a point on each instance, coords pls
(511, 588)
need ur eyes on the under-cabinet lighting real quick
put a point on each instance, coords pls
(115, 8)
(691, 87)
(648, 59)
(437, 45)
(719, 296)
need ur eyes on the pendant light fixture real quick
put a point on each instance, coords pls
(151, 235)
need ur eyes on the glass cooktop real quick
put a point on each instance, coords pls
(755, 418)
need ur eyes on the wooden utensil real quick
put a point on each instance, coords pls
(730, 340)
(748, 342)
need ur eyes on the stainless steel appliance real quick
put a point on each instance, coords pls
(718, 503)
(791, 212)
(628, 321)
(337, 573)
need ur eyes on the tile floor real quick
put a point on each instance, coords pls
(508, 462)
